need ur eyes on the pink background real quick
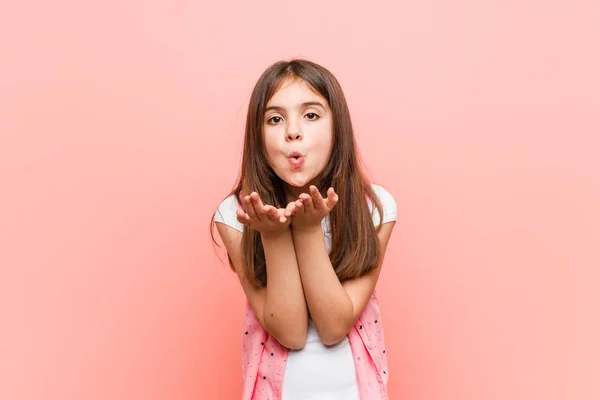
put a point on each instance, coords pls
(121, 130)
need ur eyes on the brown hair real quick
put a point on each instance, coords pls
(354, 250)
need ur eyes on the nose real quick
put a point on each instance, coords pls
(293, 136)
(293, 132)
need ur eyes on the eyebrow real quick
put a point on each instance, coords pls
(308, 103)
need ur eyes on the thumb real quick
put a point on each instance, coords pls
(332, 198)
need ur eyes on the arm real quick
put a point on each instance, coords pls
(280, 307)
(285, 314)
(334, 306)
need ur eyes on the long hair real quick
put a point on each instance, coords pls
(354, 241)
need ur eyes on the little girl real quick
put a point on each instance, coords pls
(306, 233)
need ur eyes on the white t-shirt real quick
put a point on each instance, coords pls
(317, 371)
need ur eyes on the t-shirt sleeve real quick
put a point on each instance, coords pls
(225, 213)
(388, 204)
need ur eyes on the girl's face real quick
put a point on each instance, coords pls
(298, 134)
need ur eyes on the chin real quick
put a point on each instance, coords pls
(298, 181)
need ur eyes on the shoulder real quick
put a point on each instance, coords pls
(225, 213)
(388, 203)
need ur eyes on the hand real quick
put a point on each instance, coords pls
(312, 208)
(266, 219)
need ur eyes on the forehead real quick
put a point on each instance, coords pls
(295, 91)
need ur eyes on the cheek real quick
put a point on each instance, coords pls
(273, 154)
(325, 139)
(324, 145)
(271, 145)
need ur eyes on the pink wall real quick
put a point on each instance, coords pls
(120, 131)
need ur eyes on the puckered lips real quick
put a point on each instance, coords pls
(296, 159)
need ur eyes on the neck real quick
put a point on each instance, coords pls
(293, 192)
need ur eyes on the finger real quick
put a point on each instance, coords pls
(282, 215)
(307, 202)
(271, 213)
(317, 199)
(249, 208)
(256, 201)
(256, 204)
(299, 207)
(332, 198)
(290, 209)
(242, 217)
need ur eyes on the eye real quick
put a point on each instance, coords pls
(312, 116)
(274, 120)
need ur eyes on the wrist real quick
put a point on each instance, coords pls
(311, 229)
(275, 235)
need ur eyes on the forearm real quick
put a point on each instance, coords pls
(330, 306)
(285, 312)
